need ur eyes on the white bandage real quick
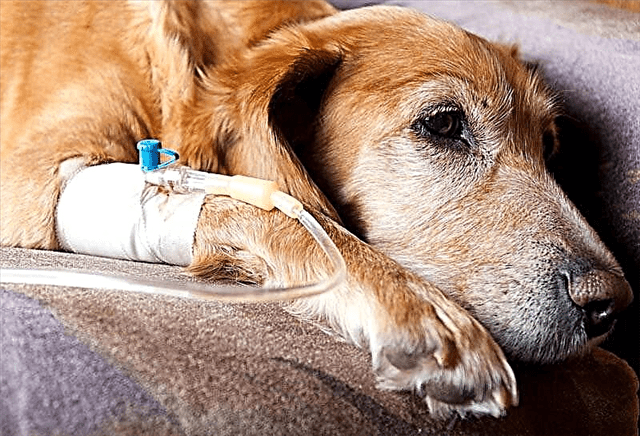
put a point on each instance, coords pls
(105, 210)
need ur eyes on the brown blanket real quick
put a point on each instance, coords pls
(77, 361)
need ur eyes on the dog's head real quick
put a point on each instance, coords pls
(430, 143)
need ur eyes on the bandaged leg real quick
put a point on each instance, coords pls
(109, 210)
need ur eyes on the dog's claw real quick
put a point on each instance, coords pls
(461, 370)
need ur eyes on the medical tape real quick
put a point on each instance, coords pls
(109, 210)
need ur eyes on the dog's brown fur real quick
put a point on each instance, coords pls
(339, 110)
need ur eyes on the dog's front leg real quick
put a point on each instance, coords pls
(419, 340)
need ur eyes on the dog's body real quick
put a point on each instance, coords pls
(427, 142)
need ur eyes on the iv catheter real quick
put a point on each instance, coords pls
(181, 179)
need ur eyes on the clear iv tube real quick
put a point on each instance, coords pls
(182, 178)
(202, 291)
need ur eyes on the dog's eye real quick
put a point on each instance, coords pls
(447, 124)
(444, 125)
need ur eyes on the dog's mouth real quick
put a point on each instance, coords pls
(565, 316)
(541, 314)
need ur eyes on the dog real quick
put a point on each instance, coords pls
(419, 147)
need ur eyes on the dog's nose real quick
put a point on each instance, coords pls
(601, 295)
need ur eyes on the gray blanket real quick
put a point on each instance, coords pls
(90, 362)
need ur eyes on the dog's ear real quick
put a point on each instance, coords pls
(276, 100)
(261, 108)
(296, 106)
(296, 102)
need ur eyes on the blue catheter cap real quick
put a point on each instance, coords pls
(150, 150)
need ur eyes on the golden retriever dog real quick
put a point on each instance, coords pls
(419, 147)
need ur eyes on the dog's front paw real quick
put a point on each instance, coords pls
(447, 357)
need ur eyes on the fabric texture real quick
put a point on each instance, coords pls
(83, 362)
(90, 362)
